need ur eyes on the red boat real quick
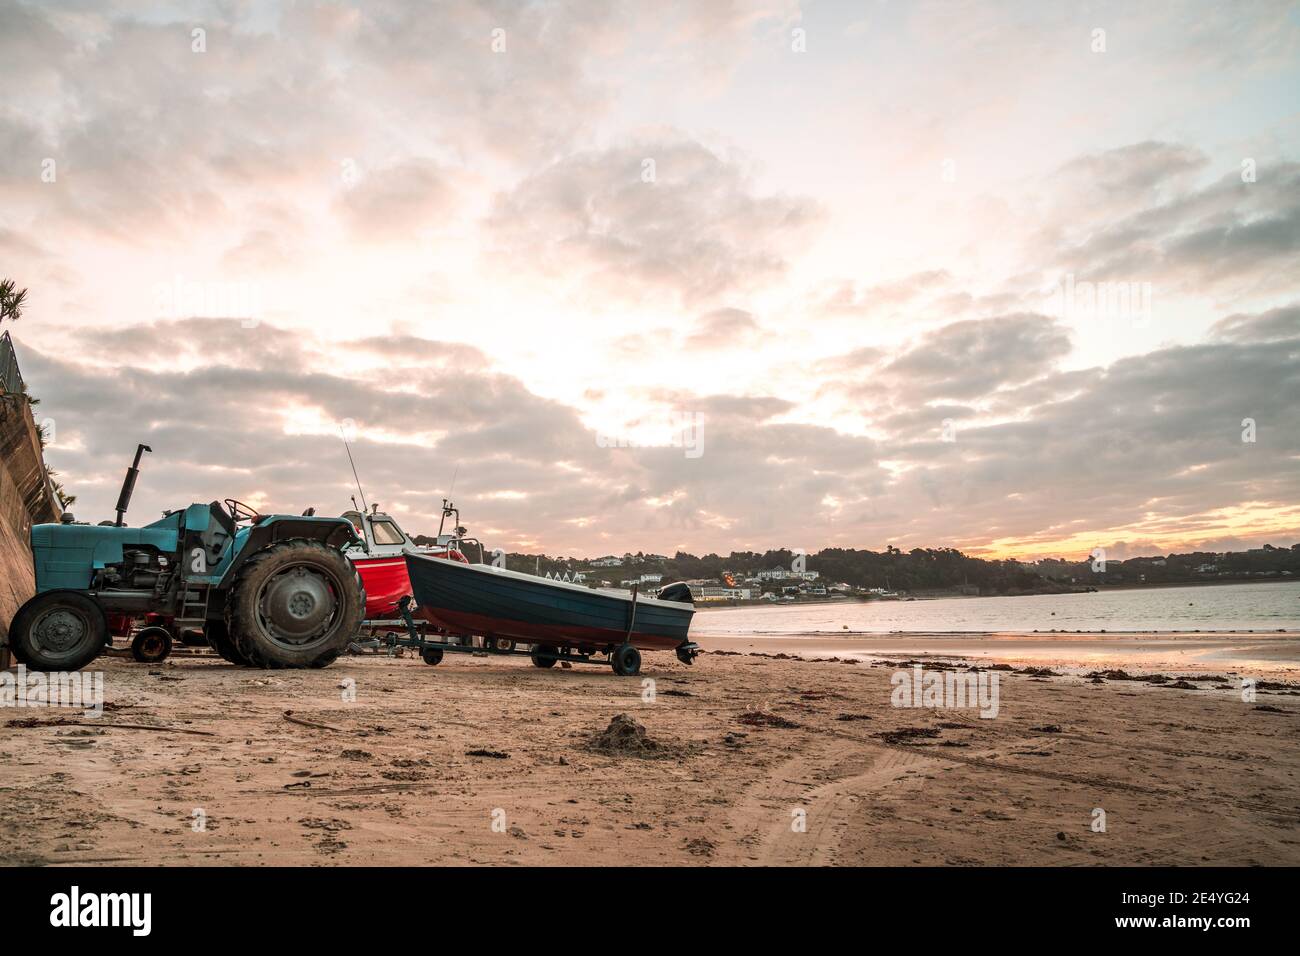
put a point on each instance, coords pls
(381, 560)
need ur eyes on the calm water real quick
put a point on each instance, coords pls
(1259, 607)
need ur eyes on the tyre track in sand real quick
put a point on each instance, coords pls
(763, 817)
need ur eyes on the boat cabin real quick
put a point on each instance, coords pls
(381, 533)
(384, 537)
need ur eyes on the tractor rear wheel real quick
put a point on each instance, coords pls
(296, 603)
(58, 631)
(218, 636)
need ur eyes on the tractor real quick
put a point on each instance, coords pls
(266, 590)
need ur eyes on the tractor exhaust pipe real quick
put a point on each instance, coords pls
(128, 483)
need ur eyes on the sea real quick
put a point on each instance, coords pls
(1270, 606)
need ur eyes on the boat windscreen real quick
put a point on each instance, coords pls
(386, 532)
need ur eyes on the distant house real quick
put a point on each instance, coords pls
(607, 562)
(576, 577)
(651, 578)
(1206, 568)
(710, 593)
(784, 574)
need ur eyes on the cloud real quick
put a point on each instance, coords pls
(278, 100)
(396, 202)
(799, 277)
(723, 329)
(966, 360)
(1149, 447)
(1139, 213)
(1275, 325)
(697, 231)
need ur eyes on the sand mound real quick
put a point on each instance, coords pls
(625, 737)
(762, 718)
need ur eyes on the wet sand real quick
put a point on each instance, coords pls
(1260, 654)
(488, 760)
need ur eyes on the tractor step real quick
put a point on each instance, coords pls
(194, 605)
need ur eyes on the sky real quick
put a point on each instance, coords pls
(1017, 278)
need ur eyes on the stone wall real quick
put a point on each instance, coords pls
(25, 499)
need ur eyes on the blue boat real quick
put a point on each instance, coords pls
(563, 617)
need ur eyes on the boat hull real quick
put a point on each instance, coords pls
(479, 599)
(386, 582)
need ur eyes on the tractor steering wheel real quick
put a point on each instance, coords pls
(240, 511)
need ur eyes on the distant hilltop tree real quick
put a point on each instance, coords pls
(11, 300)
(943, 569)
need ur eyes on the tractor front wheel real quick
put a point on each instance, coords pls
(296, 603)
(58, 631)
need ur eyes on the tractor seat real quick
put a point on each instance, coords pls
(219, 531)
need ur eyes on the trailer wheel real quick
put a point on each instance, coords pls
(432, 655)
(151, 645)
(626, 660)
(542, 656)
(58, 631)
(296, 603)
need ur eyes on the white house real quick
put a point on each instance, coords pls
(783, 574)
(708, 593)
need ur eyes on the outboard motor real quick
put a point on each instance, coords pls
(675, 592)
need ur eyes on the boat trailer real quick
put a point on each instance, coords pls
(624, 659)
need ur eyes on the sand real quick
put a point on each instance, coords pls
(740, 759)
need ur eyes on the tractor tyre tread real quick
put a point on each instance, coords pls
(239, 611)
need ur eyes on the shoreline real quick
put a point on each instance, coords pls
(1270, 655)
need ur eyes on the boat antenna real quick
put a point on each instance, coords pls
(364, 506)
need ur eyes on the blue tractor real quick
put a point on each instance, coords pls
(266, 590)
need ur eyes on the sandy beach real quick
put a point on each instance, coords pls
(752, 756)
